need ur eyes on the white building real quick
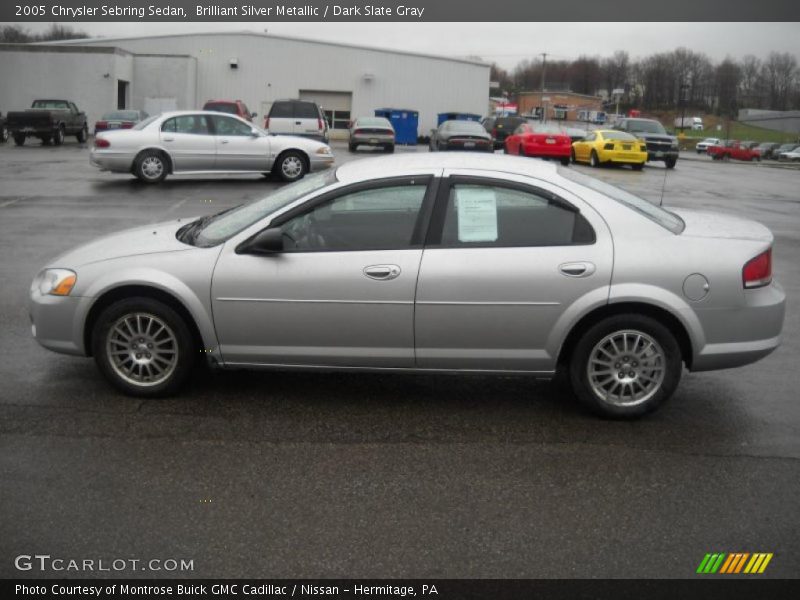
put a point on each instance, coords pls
(184, 71)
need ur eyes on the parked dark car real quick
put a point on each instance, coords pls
(231, 107)
(119, 119)
(461, 135)
(48, 120)
(3, 129)
(500, 128)
(660, 145)
(767, 149)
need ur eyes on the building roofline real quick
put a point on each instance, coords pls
(563, 93)
(263, 35)
(70, 48)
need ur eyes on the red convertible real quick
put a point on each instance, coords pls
(733, 149)
(540, 141)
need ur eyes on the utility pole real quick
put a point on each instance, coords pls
(544, 66)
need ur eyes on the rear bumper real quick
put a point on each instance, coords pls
(115, 162)
(372, 140)
(548, 151)
(740, 336)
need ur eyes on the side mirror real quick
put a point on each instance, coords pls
(254, 133)
(269, 241)
(253, 115)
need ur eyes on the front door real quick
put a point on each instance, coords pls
(503, 263)
(239, 146)
(342, 291)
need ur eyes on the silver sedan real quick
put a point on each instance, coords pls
(194, 142)
(426, 263)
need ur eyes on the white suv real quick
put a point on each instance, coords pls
(297, 117)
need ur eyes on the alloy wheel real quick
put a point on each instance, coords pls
(142, 349)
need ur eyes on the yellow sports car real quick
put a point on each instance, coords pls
(610, 146)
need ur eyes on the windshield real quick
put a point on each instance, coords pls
(373, 122)
(51, 104)
(222, 107)
(646, 126)
(213, 230)
(655, 213)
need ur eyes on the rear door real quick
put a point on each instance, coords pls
(307, 119)
(505, 260)
(190, 143)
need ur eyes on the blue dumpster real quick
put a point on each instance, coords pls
(404, 121)
(457, 116)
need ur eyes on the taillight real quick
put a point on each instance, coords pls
(127, 125)
(319, 124)
(266, 122)
(101, 125)
(357, 132)
(494, 132)
(757, 272)
(101, 143)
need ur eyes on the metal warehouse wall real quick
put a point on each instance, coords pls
(270, 68)
(157, 76)
(88, 77)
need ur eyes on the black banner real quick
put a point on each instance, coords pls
(736, 588)
(387, 11)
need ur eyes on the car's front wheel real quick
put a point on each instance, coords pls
(671, 162)
(143, 347)
(291, 166)
(19, 139)
(625, 366)
(594, 161)
(58, 136)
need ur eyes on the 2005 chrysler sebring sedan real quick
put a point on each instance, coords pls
(428, 262)
(192, 142)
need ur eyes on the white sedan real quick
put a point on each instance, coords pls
(793, 156)
(199, 142)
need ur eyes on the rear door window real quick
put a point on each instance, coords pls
(306, 110)
(281, 110)
(191, 124)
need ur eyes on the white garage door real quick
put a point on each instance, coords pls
(336, 106)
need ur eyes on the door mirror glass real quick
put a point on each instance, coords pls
(269, 241)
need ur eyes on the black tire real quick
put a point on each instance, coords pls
(389, 148)
(565, 161)
(668, 356)
(670, 162)
(3, 134)
(19, 140)
(151, 166)
(699, 151)
(572, 155)
(83, 135)
(351, 147)
(46, 140)
(178, 348)
(638, 166)
(594, 160)
(58, 136)
(290, 166)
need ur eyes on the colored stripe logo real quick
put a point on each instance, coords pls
(734, 563)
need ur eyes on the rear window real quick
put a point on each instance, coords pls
(466, 127)
(281, 110)
(647, 209)
(646, 126)
(306, 110)
(122, 115)
(618, 135)
(508, 123)
(51, 104)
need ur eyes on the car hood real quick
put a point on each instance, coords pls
(716, 225)
(148, 239)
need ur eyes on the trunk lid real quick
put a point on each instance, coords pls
(707, 224)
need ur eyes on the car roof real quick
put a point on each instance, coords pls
(431, 162)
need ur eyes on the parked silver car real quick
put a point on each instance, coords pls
(377, 132)
(193, 142)
(425, 262)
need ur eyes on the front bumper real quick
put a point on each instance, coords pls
(320, 162)
(57, 322)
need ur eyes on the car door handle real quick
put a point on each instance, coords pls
(382, 272)
(298, 123)
(169, 139)
(223, 141)
(577, 269)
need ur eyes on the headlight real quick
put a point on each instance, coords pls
(324, 150)
(55, 282)
(675, 145)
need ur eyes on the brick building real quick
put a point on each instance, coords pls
(560, 106)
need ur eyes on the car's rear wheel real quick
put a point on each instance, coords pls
(19, 140)
(291, 166)
(351, 147)
(638, 166)
(594, 161)
(151, 166)
(143, 347)
(671, 162)
(572, 155)
(565, 161)
(389, 148)
(83, 135)
(625, 366)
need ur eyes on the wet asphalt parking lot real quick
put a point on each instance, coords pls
(361, 475)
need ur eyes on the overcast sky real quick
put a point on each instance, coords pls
(507, 43)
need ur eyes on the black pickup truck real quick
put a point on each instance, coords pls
(48, 120)
(660, 144)
(3, 129)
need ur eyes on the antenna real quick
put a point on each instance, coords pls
(663, 185)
